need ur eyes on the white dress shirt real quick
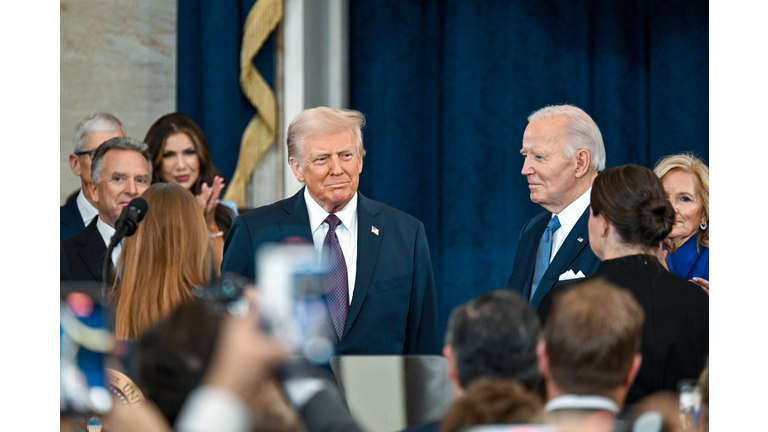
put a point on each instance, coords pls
(346, 232)
(86, 209)
(107, 232)
(568, 218)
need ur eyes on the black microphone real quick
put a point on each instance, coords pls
(125, 226)
(129, 219)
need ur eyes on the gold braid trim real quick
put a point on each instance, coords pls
(260, 132)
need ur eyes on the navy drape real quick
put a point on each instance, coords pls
(208, 73)
(447, 85)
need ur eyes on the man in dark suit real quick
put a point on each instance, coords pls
(80, 209)
(121, 171)
(381, 292)
(563, 151)
(589, 355)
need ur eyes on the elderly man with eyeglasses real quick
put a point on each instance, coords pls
(90, 133)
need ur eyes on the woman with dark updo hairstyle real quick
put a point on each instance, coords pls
(630, 217)
(180, 155)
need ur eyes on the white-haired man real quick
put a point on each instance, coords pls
(90, 133)
(563, 151)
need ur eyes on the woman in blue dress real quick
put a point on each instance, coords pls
(686, 182)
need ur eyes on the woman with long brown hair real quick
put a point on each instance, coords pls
(161, 264)
(180, 155)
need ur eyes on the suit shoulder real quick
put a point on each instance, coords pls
(265, 214)
(534, 221)
(380, 209)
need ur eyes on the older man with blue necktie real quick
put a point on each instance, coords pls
(563, 151)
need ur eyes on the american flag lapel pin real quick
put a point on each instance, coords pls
(374, 230)
(579, 239)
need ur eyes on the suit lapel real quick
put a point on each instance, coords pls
(367, 253)
(297, 222)
(92, 249)
(565, 255)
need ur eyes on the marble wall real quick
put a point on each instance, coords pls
(117, 56)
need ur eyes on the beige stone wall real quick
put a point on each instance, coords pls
(117, 56)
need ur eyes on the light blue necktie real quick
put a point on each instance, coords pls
(544, 252)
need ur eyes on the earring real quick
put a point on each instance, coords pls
(703, 225)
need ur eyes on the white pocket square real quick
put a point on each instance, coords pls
(571, 275)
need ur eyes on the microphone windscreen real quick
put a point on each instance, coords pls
(140, 206)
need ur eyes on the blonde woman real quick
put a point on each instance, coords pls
(686, 182)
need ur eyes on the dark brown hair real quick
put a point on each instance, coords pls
(591, 336)
(171, 124)
(632, 199)
(493, 401)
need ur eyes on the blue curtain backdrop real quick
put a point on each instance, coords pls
(447, 86)
(208, 73)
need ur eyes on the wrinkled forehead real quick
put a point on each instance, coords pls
(682, 178)
(545, 136)
(126, 162)
(333, 142)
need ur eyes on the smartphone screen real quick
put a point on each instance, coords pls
(292, 301)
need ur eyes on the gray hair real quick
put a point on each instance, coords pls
(118, 143)
(321, 121)
(99, 122)
(581, 130)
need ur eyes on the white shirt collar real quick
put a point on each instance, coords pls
(571, 214)
(588, 402)
(318, 214)
(107, 232)
(86, 209)
(568, 218)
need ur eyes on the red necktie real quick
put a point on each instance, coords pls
(337, 287)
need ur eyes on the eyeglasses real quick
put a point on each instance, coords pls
(89, 153)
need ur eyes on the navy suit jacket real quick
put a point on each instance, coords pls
(85, 253)
(575, 254)
(70, 220)
(394, 308)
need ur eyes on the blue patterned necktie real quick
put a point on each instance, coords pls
(337, 287)
(543, 253)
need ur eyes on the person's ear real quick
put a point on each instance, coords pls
(637, 360)
(541, 356)
(93, 188)
(74, 164)
(453, 373)
(583, 162)
(296, 168)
